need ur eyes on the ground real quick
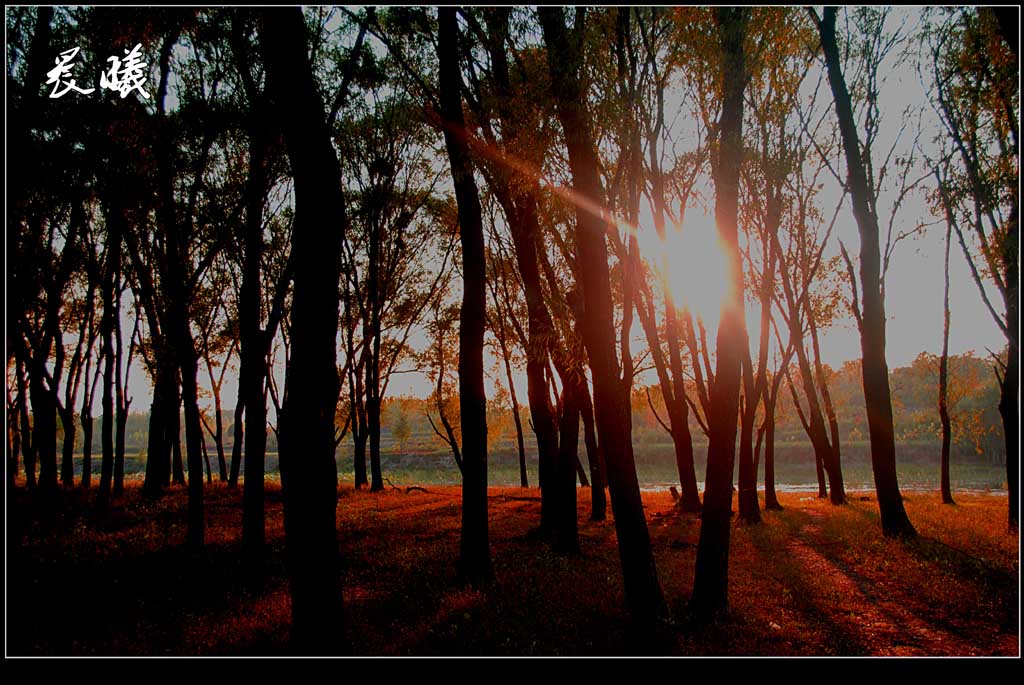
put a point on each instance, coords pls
(812, 579)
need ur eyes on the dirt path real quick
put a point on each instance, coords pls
(890, 628)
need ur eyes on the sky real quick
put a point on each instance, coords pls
(913, 293)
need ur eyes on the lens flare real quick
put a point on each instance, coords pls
(690, 260)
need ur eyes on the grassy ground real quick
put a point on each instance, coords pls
(810, 580)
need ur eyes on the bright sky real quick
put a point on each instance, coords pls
(913, 293)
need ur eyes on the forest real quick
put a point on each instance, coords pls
(522, 331)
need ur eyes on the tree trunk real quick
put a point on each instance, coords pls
(520, 443)
(824, 451)
(564, 529)
(158, 449)
(947, 494)
(521, 211)
(108, 326)
(218, 439)
(239, 431)
(28, 449)
(309, 476)
(1010, 387)
(360, 434)
(253, 507)
(1009, 411)
(44, 431)
(711, 580)
(371, 340)
(611, 398)
(120, 426)
(373, 425)
(875, 371)
(13, 449)
(475, 556)
(107, 426)
(675, 405)
(819, 470)
(524, 482)
(836, 486)
(771, 500)
(749, 507)
(121, 410)
(206, 461)
(595, 458)
(359, 458)
(67, 460)
(196, 533)
(678, 409)
(252, 400)
(87, 428)
(174, 428)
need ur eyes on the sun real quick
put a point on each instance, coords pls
(690, 260)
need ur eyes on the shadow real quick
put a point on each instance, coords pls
(802, 593)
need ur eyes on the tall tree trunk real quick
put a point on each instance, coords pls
(711, 580)
(475, 555)
(875, 371)
(107, 426)
(611, 398)
(836, 486)
(67, 459)
(819, 471)
(309, 475)
(749, 507)
(121, 410)
(520, 443)
(360, 434)
(595, 458)
(120, 428)
(372, 342)
(158, 448)
(521, 211)
(206, 461)
(239, 436)
(564, 529)
(1009, 390)
(87, 428)
(108, 328)
(824, 452)
(218, 438)
(28, 448)
(44, 430)
(678, 412)
(196, 532)
(1009, 410)
(359, 458)
(771, 500)
(13, 447)
(524, 481)
(947, 494)
(252, 400)
(174, 429)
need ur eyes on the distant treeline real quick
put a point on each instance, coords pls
(977, 431)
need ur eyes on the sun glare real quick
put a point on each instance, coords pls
(692, 262)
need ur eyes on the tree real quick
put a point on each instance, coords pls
(309, 476)
(871, 315)
(975, 65)
(388, 283)
(475, 557)
(611, 396)
(710, 585)
(947, 495)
